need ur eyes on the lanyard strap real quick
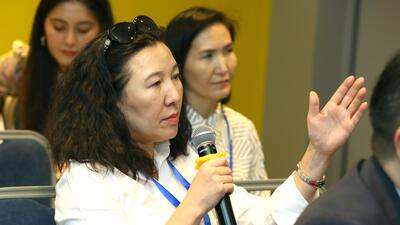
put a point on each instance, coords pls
(170, 197)
(228, 130)
(179, 176)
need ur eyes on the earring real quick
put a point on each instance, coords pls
(42, 41)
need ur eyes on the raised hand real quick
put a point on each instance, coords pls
(329, 128)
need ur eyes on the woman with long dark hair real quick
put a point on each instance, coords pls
(61, 29)
(118, 129)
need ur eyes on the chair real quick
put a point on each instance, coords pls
(25, 160)
(25, 212)
(260, 185)
(17, 207)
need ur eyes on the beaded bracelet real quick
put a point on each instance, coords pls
(315, 183)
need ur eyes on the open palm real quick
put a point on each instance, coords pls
(329, 128)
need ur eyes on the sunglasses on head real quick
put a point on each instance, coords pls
(124, 32)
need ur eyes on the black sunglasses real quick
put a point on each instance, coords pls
(124, 32)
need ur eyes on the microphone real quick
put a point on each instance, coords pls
(203, 140)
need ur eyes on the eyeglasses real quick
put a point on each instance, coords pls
(124, 32)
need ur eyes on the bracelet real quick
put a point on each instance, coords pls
(315, 183)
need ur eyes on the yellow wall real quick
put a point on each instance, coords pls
(251, 43)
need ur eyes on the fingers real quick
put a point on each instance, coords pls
(342, 90)
(218, 166)
(313, 105)
(229, 188)
(219, 169)
(352, 92)
(223, 171)
(216, 175)
(357, 101)
(226, 181)
(359, 113)
(217, 161)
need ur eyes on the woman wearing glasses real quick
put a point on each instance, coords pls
(61, 29)
(119, 128)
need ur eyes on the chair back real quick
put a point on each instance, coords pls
(25, 160)
(25, 212)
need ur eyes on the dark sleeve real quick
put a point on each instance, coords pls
(314, 216)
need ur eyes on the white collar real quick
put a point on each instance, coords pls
(398, 190)
(196, 119)
(161, 153)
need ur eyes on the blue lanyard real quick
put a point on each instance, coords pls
(228, 129)
(170, 197)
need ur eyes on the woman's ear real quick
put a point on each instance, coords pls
(396, 142)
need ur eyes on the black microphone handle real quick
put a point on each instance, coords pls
(225, 212)
(224, 207)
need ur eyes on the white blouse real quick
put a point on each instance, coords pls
(84, 196)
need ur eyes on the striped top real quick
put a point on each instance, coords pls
(248, 157)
